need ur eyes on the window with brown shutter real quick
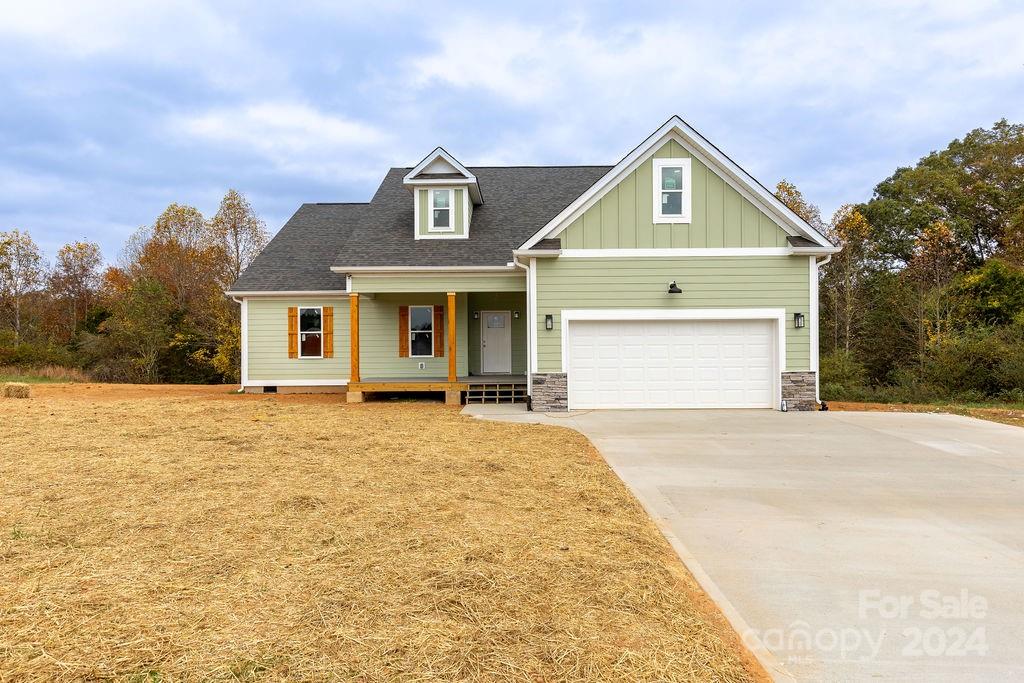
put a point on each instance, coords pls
(403, 331)
(328, 327)
(293, 331)
(438, 331)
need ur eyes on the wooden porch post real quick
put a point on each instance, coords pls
(451, 337)
(353, 336)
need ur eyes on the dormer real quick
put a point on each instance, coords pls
(444, 194)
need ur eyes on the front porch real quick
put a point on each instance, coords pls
(470, 345)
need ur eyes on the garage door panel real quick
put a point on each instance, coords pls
(671, 364)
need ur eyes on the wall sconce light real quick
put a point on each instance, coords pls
(673, 288)
(476, 315)
(515, 314)
(549, 322)
(798, 320)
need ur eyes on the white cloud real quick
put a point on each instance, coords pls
(295, 137)
(891, 76)
(187, 34)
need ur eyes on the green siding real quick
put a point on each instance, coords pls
(707, 282)
(378, 337)
(378, 323)
(423, 222)
(624, 217)
(268, 341)
(499, 301)
(441, 282)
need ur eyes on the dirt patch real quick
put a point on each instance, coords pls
(1010, 416)
(185, 533)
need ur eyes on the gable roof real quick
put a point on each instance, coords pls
(299, 257)
(518, 200)
(441, 168)
(712, 157)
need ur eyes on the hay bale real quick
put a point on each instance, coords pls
(16, 390)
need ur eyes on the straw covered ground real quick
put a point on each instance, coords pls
(199, 536)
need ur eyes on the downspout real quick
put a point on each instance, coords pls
(529, 322)
(817, 322)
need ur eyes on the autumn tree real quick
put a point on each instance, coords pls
(789, 195)
(21, 272)
(240, 232)
(844, 280)
(74, 281)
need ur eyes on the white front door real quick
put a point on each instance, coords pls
(495, 341)
(671, 364)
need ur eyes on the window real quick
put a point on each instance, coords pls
(421, 331)
(441, 211)
(311, 338)
(671, 190)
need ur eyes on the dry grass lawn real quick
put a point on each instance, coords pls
(194, 535)
(1009, 415)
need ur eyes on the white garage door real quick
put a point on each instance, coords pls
(671, 364)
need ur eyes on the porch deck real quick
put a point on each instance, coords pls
(478, 388)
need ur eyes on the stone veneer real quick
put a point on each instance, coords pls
(798, 390)
(550, 393)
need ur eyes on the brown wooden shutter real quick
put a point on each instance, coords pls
(403, 331)
(438, 331)
(328, 328)
(293, 331)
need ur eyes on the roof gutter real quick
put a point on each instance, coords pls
(423, 269)
(309, 292)
(535, 253)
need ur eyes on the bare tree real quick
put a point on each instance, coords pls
(75, 279)
(241, 233)
(21, 272)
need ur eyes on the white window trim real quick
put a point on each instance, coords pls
(409, 331)
(321, 333)
(686, 191)
(451, 211)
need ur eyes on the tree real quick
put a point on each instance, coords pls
(181, 252)
(240, 232)
(75, 280)
(139, 329)
(936, 260)
(789, 195)
(974, 186)
(843, 280)
(21, 272)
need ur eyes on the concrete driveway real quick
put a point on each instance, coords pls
(843, 546)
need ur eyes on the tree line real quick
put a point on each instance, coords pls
(158, 314)
(924, 302)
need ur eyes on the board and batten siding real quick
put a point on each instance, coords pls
(458, 216)
(498, 301)
(624, 217)
(267, 333)
(707, 282)
(440, 282)
(378, 338)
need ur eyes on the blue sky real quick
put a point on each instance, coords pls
(112, 110)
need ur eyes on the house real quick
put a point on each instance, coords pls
(672, 279)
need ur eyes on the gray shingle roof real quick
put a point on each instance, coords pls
(299, 257)
(519, 201)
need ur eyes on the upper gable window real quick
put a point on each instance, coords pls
(672, 190)
(441, 203)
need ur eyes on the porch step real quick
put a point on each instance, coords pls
(496, 393)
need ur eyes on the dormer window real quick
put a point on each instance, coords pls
(672, 191)
(441, 203)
